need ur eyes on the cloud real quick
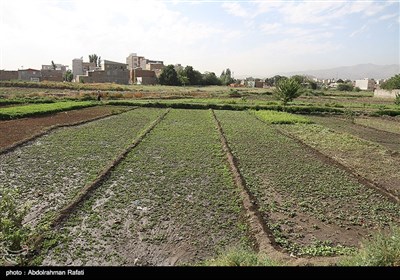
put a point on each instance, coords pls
(270, 28)
(235, 9)
(358, 31)
(63, 30)
(389, 16)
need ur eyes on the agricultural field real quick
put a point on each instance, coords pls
(50, 170)
(19, 130)
(385, 132)
(40, 109)
(147, 179)
(369, 159)
(171, 201)
(311, 206)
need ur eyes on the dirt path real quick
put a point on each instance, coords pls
(16, 131)
(387, 139)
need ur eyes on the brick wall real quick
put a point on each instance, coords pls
(386, 93)
(8, 75)
(52, 75)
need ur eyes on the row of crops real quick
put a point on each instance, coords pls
(172, 199)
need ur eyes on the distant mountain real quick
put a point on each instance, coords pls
(354, 72)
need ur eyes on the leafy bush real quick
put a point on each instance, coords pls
(382, 250)
(397, 99)
(240, 257)
(345, 87)
(13, 235)
(392, 83)
(287, 90)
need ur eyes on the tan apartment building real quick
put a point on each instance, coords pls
(111, 72)
(80, 68)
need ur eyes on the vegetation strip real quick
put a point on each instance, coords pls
(54, 127)
(84, 192)
(361, 179)
(264, 238)
(14, 112)
(182, 104)
(312, 208)
(171, 201)
(263, 235)
(364, 159)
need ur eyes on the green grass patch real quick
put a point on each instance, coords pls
(383, 249)
(41, 109)
(275, 117)
(240, 257)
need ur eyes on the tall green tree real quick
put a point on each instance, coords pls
(226, 77)
(68, 76)
(54, 65)
(209, 78)
(169, 76)
(392, 83)
(287, 89)
(94, 58)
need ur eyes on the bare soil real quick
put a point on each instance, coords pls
(16, 131)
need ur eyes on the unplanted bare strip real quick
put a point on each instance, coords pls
(170, 201)
(51, 170)
(54, 127)
(312, 207)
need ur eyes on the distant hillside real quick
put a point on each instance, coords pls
(354, 72)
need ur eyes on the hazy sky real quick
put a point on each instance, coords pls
(258, 38)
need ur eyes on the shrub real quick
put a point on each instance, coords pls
(13, 235)
(397, 99)
(345, 87)
(381, 250)
(240, 257)
(287, 90)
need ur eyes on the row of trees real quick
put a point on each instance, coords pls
(190, 77)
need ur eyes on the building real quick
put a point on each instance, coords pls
(80, 68)
(6, 75)
(52, 75)
(111, 72)
(30, 74)
(134, 61)
(139, 76)
(59, 67)
(365, 84)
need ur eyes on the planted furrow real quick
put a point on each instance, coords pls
(311, 207)
(170, 201)
(364, 158)
(50, 171)
(54, 127)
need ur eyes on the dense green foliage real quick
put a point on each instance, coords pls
(169, 76)
(287, 89)
(240, 257)
(383, 249)
(392, 83)
(41, 109)
(344, 87)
